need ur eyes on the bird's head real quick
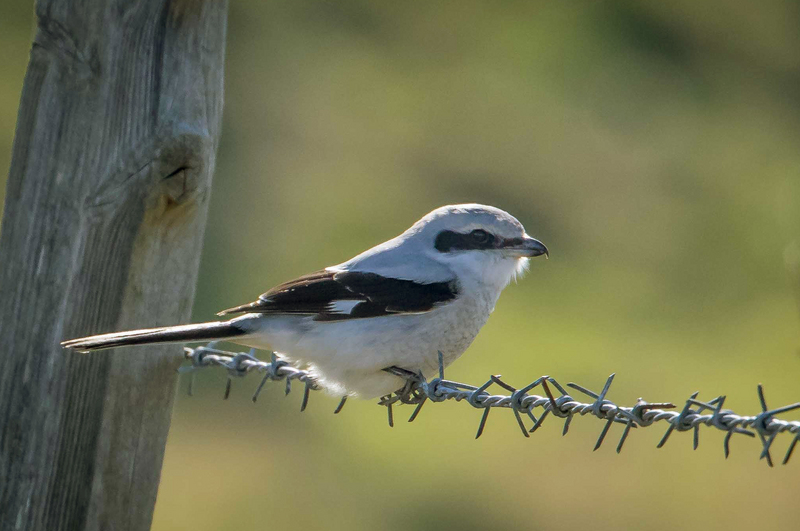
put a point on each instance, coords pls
(477, 242)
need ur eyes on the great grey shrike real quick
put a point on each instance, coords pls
(395, 306)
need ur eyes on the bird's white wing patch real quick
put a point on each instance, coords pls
(343, 306)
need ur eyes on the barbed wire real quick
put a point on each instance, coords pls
(418, 391)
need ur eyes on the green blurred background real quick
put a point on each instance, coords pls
(652, 146)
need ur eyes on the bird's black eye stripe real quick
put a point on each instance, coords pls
(448, 241)
(480, 236)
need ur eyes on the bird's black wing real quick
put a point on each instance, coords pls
(335, 296)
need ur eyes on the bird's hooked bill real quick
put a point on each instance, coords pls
(528, 247)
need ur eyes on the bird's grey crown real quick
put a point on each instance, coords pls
(466, 218)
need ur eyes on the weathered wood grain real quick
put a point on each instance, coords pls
(105, 210)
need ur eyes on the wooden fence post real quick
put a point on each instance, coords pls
(105, 210)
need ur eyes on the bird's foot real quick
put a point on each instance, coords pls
(408, 393)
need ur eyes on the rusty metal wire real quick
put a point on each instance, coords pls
(418, 391)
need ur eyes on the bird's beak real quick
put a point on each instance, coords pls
(528, 247)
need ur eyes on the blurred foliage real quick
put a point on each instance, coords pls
(652, 146)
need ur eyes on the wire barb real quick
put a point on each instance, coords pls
(417, 391)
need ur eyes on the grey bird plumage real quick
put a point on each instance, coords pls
(396, 305)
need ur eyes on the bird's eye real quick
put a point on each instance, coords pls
(479, 236)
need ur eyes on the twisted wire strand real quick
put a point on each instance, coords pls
(418, 391)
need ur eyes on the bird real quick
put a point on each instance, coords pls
(362, 326)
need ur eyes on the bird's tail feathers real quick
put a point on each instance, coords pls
(168, 334)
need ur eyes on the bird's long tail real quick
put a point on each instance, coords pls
(167, 334)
